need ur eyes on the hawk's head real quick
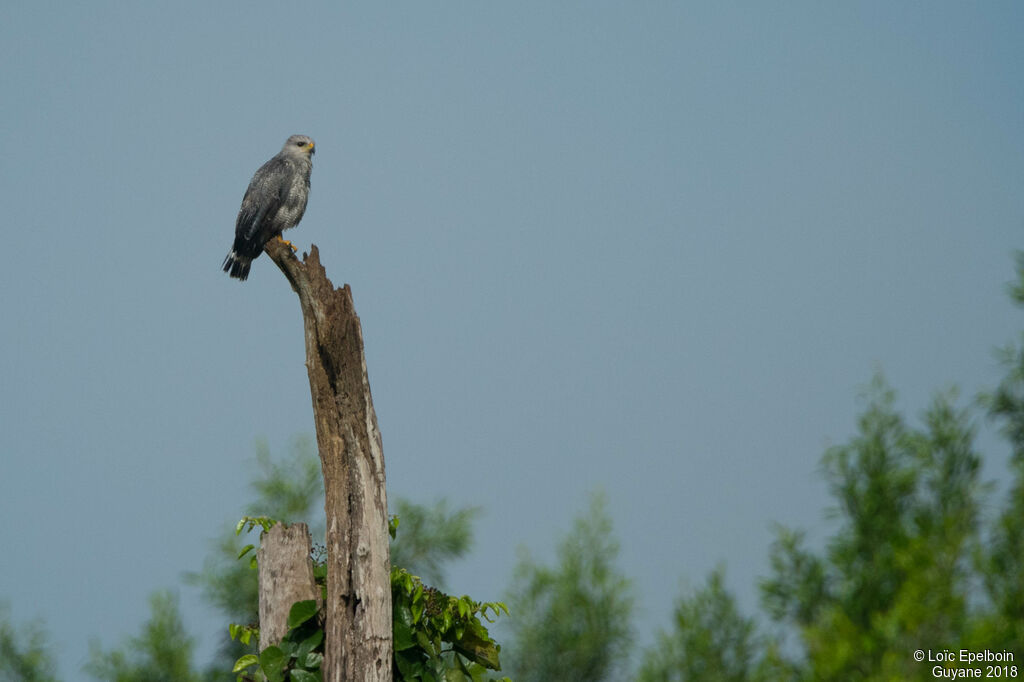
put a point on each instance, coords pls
(299, 145)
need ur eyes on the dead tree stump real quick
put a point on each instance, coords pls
(358, 643)
(285, 575)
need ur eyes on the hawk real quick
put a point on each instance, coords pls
(275, 201)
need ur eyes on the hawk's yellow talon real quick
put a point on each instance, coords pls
(287, 243)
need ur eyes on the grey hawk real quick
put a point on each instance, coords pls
(275, 201)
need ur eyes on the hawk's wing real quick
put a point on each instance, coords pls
(263, 198)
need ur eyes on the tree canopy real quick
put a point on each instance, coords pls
(573, 621)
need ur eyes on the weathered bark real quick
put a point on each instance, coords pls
(358, 642)
(286, 576)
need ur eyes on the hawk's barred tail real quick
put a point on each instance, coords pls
(237, 266)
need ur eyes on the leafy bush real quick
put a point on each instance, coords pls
(436, 636)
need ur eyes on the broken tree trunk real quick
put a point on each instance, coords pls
(286, 576)
(357, 642)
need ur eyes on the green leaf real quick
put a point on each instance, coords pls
(300, 612)
(246, 550)
(243, 633)
(312, 660)
(244, 662)
(424, 641)
(402, 613)
(410, 668)
(393, 526)
(478, 650)
(309, 644)
(306, 676)
(288, 647)
(403, 636)
(497, 607)
(457, 676)
(272, 661)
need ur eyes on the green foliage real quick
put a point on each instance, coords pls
(798, 588)
(243, 633)
(436, 636)
(25, 655)
(1002, 561)
(711, 641)
(899, 573)
(162, 653)
(297, 657)
(895, 576)
(572, 621)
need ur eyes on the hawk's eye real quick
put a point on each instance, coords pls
(300, 144)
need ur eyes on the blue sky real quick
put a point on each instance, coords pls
(651, 248)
